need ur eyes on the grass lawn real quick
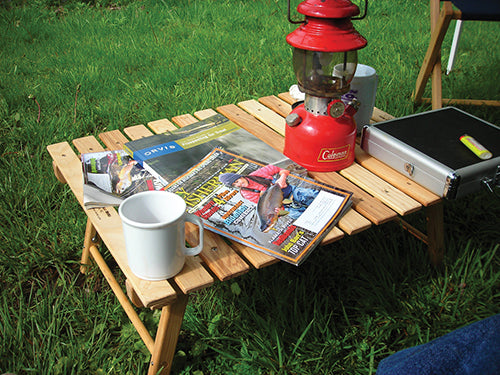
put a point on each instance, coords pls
(75, 68)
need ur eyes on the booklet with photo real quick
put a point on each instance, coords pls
(111, 176)
(170, 154)
(261, 205)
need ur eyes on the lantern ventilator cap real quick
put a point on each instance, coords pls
(327, 27)
(326, 35)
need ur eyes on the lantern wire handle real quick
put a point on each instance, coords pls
(354, 18)
(290, 18)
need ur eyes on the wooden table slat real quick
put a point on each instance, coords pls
(264, 114)
(193, 276)
(184, 120)
(137, 131)
(371, 208)
(87, 144)
(258, 259)
(385, 192)
(252, 125)
(396, 179)
(276, 104)
(334, 235)
(353, 222)
(161, 126)
(114, 139)
(204, 113)
(378, 115)
(286, 97)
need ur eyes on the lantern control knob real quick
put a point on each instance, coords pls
(336, 108)
(293, 119)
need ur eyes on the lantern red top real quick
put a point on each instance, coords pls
(328, 27)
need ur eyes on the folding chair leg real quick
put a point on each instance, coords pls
(454, 46)
(433, 52)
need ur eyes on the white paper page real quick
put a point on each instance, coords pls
(317, 215)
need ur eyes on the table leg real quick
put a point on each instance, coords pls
(167, 335)
(90, 239)
(435, 233)
(57, 172)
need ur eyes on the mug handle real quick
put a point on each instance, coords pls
(197, 221)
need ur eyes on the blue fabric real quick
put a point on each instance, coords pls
(470, 350)
(477, 10)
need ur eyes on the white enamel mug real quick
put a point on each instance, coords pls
(363, 88)
(154, 230)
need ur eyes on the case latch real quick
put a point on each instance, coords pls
(491, 183)
(409, 168)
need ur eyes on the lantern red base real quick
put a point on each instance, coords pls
(321, 143)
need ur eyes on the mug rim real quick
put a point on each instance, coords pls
(137, 196)
(367, 70)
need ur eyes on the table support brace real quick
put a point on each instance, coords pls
(122, 298)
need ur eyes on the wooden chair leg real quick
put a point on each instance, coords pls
(167, 336)
(436, 85)
(90, 239)
(435, 233)
(433, 52)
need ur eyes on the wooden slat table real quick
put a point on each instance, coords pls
(380, 195)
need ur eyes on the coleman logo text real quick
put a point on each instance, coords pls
(334, 154)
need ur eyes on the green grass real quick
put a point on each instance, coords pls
(102, 65)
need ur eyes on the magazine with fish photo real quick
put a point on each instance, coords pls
(168, 155)
(111, 176)
(261, 205)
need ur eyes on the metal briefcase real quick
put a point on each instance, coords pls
(426, 147)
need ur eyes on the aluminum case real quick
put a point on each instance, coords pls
(426, 147)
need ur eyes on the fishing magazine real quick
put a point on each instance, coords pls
(263, 206)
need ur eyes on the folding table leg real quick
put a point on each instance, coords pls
(167, 336)
(90, 239)
(435, 233)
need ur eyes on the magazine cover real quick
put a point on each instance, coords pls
(170, 154)
(111, 176)
(261, 205)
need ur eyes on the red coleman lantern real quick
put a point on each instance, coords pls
(321, 132)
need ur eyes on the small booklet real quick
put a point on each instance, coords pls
(111, 176)
(261, 205)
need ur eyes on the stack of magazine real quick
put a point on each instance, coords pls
(241, 187)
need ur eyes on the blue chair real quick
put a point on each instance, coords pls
(471, 350)
(441, 16)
